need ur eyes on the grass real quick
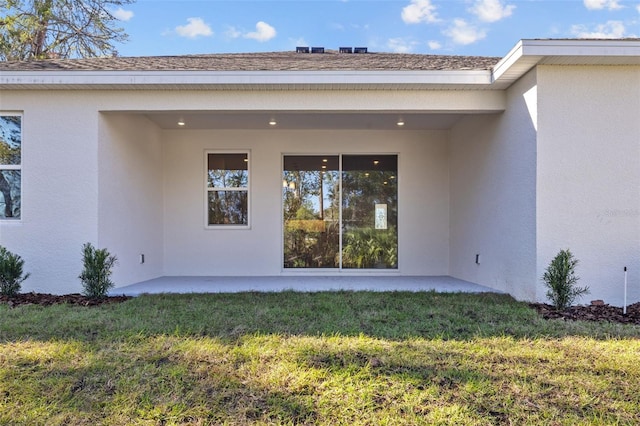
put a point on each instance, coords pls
(322, 358)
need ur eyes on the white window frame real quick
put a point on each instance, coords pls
(17, 167)
(207, 189)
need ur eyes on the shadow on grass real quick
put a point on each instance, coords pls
(304, 358)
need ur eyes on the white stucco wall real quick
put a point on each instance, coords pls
(92, 163)
(131, 202)
(560, 168)
(59, 188)
(493, 174)
(588, 180)
(190, 249)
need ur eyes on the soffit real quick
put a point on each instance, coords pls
(293, 120)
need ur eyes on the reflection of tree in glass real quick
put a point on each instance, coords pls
(228, 208)
(362, 190)
(311, 236)
(228, 178)
(311, 200)
(370, 248)
(10, 154)
(366, 183)
(228, 182)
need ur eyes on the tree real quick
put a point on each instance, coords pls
(40, 29)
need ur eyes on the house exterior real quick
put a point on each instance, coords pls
(290, 163)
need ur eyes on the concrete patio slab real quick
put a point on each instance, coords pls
(443, 284)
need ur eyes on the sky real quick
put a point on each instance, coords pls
(445, 27)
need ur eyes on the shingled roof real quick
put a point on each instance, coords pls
(274, 61)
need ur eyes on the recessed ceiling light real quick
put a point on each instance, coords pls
(376, 162)
(400, 122)
(181, 122)
(272, 122)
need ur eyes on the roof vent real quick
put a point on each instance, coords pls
(359, 50)
(346, 50)
(302, 49)
(317, 50)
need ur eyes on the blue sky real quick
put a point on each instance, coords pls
(448, 27)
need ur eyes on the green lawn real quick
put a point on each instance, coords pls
(322, 358)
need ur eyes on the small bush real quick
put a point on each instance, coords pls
(97, 271)
(11, 275)
(560, 279)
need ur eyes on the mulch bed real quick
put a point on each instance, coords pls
(596, 311)
(44, 299)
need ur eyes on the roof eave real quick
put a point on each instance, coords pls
(182, 79)
(527, 54)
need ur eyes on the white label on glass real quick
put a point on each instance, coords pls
(381, 216)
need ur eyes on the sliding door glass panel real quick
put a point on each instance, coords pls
(370, 211)
(311, 211)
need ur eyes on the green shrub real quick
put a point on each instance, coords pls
(560, 279)
(97, 271)
(11, 276)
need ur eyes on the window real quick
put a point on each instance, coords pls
(10, 166)
(227, 189)
(340, 211)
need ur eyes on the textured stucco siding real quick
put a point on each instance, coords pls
(588, 179)
(96, 170)
(193, 250)
(59, 187)
(493, 174)
(131, 202)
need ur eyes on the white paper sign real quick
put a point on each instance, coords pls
(381, 216)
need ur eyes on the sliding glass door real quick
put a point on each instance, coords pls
(310, 194)
(340, 211)
(369, 211)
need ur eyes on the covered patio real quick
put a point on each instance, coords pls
(211, 284)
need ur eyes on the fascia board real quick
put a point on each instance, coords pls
(582, 47)
(258, 78)
(526, 54)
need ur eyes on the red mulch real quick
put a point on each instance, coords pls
(52, 299)
(597, 311)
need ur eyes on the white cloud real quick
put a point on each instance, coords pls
(602, 4)
(122, 15)
(612, 29)
(263, 32)
(195, 28)
(232, 32)
(434, 45)
(400, 45)
(463, 33)
(638, 8)
(491, 10)
(419, 11)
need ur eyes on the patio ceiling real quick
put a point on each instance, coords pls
(304, 120)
